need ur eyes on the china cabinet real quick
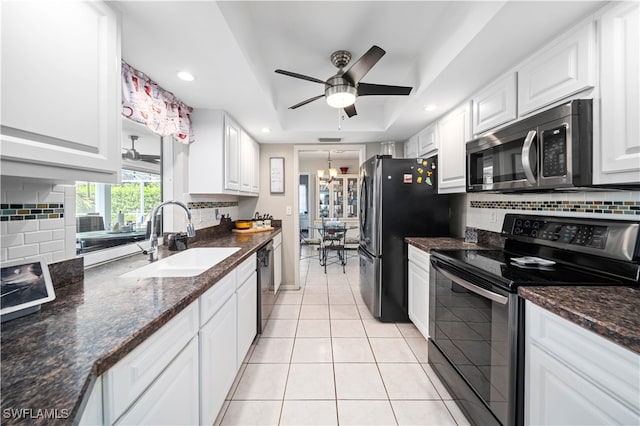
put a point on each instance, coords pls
(337, 197)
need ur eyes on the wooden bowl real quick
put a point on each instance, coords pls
(243, 224)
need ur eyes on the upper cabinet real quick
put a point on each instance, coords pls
(617, 146)
(495, 104)
(61, 90)
(561, 69)
(428, 141)
(454, 130)
(411, 147)
(224, 159)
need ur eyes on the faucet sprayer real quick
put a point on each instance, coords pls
(153, 248)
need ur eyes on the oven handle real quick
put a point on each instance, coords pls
(526, 164)
(474, 288)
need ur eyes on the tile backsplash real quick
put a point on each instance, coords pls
(37, 219)
(486, 210)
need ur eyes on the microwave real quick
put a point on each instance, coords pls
(549, 150)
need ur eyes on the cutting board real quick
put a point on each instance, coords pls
(253, 230)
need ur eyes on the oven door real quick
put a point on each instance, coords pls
(475, 327)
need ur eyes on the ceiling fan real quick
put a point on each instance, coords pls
(342, 89)
(133, 154)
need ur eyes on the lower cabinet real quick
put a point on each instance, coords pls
(218, 360)
(277, 262)
(247, 303)
(574, 376)
(173, 398)
(419, 289)
(182, 373)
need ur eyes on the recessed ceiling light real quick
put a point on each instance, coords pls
(266, 130)
(430, 107)
(186, 76)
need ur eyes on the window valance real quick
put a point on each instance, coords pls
(145, 102)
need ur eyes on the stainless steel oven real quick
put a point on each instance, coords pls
(475, 326)
(552, 149)
(476, 319)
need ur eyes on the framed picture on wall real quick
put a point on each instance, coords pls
(276, 173)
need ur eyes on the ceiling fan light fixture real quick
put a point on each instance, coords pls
(340, 96)
(185, 75)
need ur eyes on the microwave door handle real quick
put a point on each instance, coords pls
(526, 164)
(474, 288)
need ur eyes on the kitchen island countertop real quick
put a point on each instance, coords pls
(51, 359)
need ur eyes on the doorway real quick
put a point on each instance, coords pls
(308, 159)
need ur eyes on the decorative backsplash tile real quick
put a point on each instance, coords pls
(211, 204)
(601, 207)
(13, 212)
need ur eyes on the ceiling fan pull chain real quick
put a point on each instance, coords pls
(339, 121)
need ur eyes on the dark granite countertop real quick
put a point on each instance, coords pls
(443, 243)
(51, 359)
(611, 312)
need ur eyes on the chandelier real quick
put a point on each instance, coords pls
(332, 172)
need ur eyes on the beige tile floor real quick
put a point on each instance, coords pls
(324, 360)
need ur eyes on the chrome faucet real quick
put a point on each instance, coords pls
(152, 251)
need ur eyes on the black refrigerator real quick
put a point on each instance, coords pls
(398, 198)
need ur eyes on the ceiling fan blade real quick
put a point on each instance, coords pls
(350, 110)
(303, 77)
(362, 66)
(306, 102)
(366, 89)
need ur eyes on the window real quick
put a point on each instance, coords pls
(112, 215)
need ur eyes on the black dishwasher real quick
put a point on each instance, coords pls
(266, 297)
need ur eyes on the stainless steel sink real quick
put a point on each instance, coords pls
(188, 263)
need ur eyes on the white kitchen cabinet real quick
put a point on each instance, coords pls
(247, 303)
(61, 90)
(419, 267)
(173, 398)
(495, 104)
(218, 358)
(232, 154)
(559, 70)
(454, 130)
(617, 145)
(255, 169)
(428, 141)
(574, 376)
(223, 158)
(277, 262)
(411, 147)
(126, 381)
(92, 413)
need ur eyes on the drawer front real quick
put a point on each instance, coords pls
(216, 296)
(245, 269)
(419, 258)
(277, 240)
(129, 378)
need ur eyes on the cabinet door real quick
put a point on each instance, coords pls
(495, 105)
(60, 89)
(322, 189)
(351, 197)
(92, 414)
(558, 71)
(419, 290)
(277, 267)
(218, 360)
(619, 141)
(247, 315)
(427, 140)
(231, 155)
(411, 147)
(246, 161)
(173, 398)
(453, 131)
(255, 175)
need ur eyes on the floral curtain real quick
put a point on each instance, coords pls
(145, 102)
